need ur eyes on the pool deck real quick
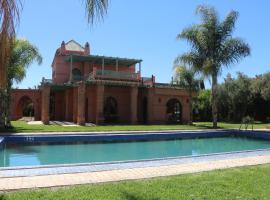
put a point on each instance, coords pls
(65, 175)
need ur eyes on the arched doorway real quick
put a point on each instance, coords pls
(174, 111)
(110, 110)
(76, 75)
(26, 108)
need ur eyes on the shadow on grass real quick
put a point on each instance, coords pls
(129, 196)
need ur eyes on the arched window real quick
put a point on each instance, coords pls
(110, 110)
(76, 75)
(174, 111)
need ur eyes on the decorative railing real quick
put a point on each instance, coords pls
(110, 74)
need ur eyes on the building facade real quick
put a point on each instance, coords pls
(99, 89)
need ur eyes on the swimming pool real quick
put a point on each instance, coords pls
(74, 149)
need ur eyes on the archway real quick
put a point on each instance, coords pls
(110, 110)
(76, 75)
(26, 108)
(174, 111)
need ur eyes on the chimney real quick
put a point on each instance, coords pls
(63, 48)
(87, 49)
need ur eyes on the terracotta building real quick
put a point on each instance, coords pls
(99, 89)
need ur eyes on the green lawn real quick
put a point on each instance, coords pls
(247, 183)
(20, 126)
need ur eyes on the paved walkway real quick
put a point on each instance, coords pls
(126, 174)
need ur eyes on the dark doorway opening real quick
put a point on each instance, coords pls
(174, 111)
(144, 106)
(110, 110)
(26, 108)
(86, 110)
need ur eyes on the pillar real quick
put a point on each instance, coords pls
(45, 107)
(99, 104)
(81, 104)
(134, 105)
(67, 104)
(75, 104)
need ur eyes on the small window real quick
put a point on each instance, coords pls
(76, 75)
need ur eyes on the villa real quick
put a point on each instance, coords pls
(100, 89)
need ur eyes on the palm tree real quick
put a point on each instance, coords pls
(9, 16)
(23, 54)
(186, 78)
(212, 47)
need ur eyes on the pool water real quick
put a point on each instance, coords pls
(25, 154)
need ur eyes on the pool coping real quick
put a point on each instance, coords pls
(29, 171)
(62, 180)
(125, 131)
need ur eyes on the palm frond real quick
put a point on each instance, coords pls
(208, 15)
(233, 50)
(227, 26)
(95, 10)
(9, 18)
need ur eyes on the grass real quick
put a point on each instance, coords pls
(20, 126)
(238, 183)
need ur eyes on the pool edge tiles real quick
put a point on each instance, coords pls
(122, 165)
(119, 137)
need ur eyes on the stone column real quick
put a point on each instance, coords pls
(133, 105)
(45, 107)
(81, 104)
(99, 104)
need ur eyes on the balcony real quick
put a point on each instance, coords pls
(113, 75)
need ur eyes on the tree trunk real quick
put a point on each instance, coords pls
(190, 108)
(2, 108)
(8, 105)
(214, 100)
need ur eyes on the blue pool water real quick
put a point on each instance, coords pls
(25, 154)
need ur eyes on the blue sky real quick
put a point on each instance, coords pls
(143, 29)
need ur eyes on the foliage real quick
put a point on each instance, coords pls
(234, 98)
(237, 97)
(212, 47)
(186, 78)
(23, 54)
(202, 106)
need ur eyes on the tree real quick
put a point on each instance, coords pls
(213, 47)
(9, 18)
(235, 98)
(23, 54)
(202, 105)
(186, 78)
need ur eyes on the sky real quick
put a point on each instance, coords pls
(142, 29)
